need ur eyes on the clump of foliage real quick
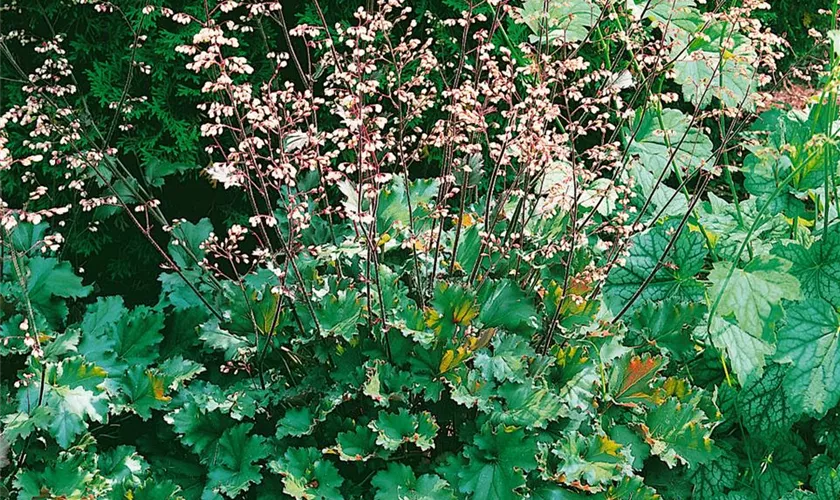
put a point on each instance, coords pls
(488, 250)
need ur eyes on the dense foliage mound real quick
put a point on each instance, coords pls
(481, 249)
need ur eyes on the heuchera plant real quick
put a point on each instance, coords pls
(487, 249)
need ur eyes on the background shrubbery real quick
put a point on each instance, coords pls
(423, 250)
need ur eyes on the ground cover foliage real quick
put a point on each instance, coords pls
(491, 249)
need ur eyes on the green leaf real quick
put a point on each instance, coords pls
(27, 236)
(76, 372)
(453, 307)
(809, 343)
(216, 337)
(565, 20)
(394, 429)
(358, 445)
(761, 171)
(632, 488)
(592, 461)
(177, 370)
(827, 432)
(753, 294)
(398, 482)
(48, 283)
(827, 485)
(504, 304)
(73, 395)
(720, 64)
(200, 429)
(66, 479)
(671, 143)
(576, 380)
(746, 353)
(157, 490)
(712, 479)
(817, 267)
(62, 345)
(764, 405)
(121, 464)
(632, 444)
(678, 432)
(782, 465)
(496, 463)
(668, 325)
(50, 278)
(729, 227)
(296, 422)
(156, 170)
(386, 383)
(307, 475)
(67, 422)
(140, 391)
(176, 291)
(675, 279)
(509, 360)
(393, 204)
(234, 471)
(339, 312)
(665, 201)
(672, 16)
(130, 340)
(473, 391)
(185, 246)
(527, 405)
(102, 314)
